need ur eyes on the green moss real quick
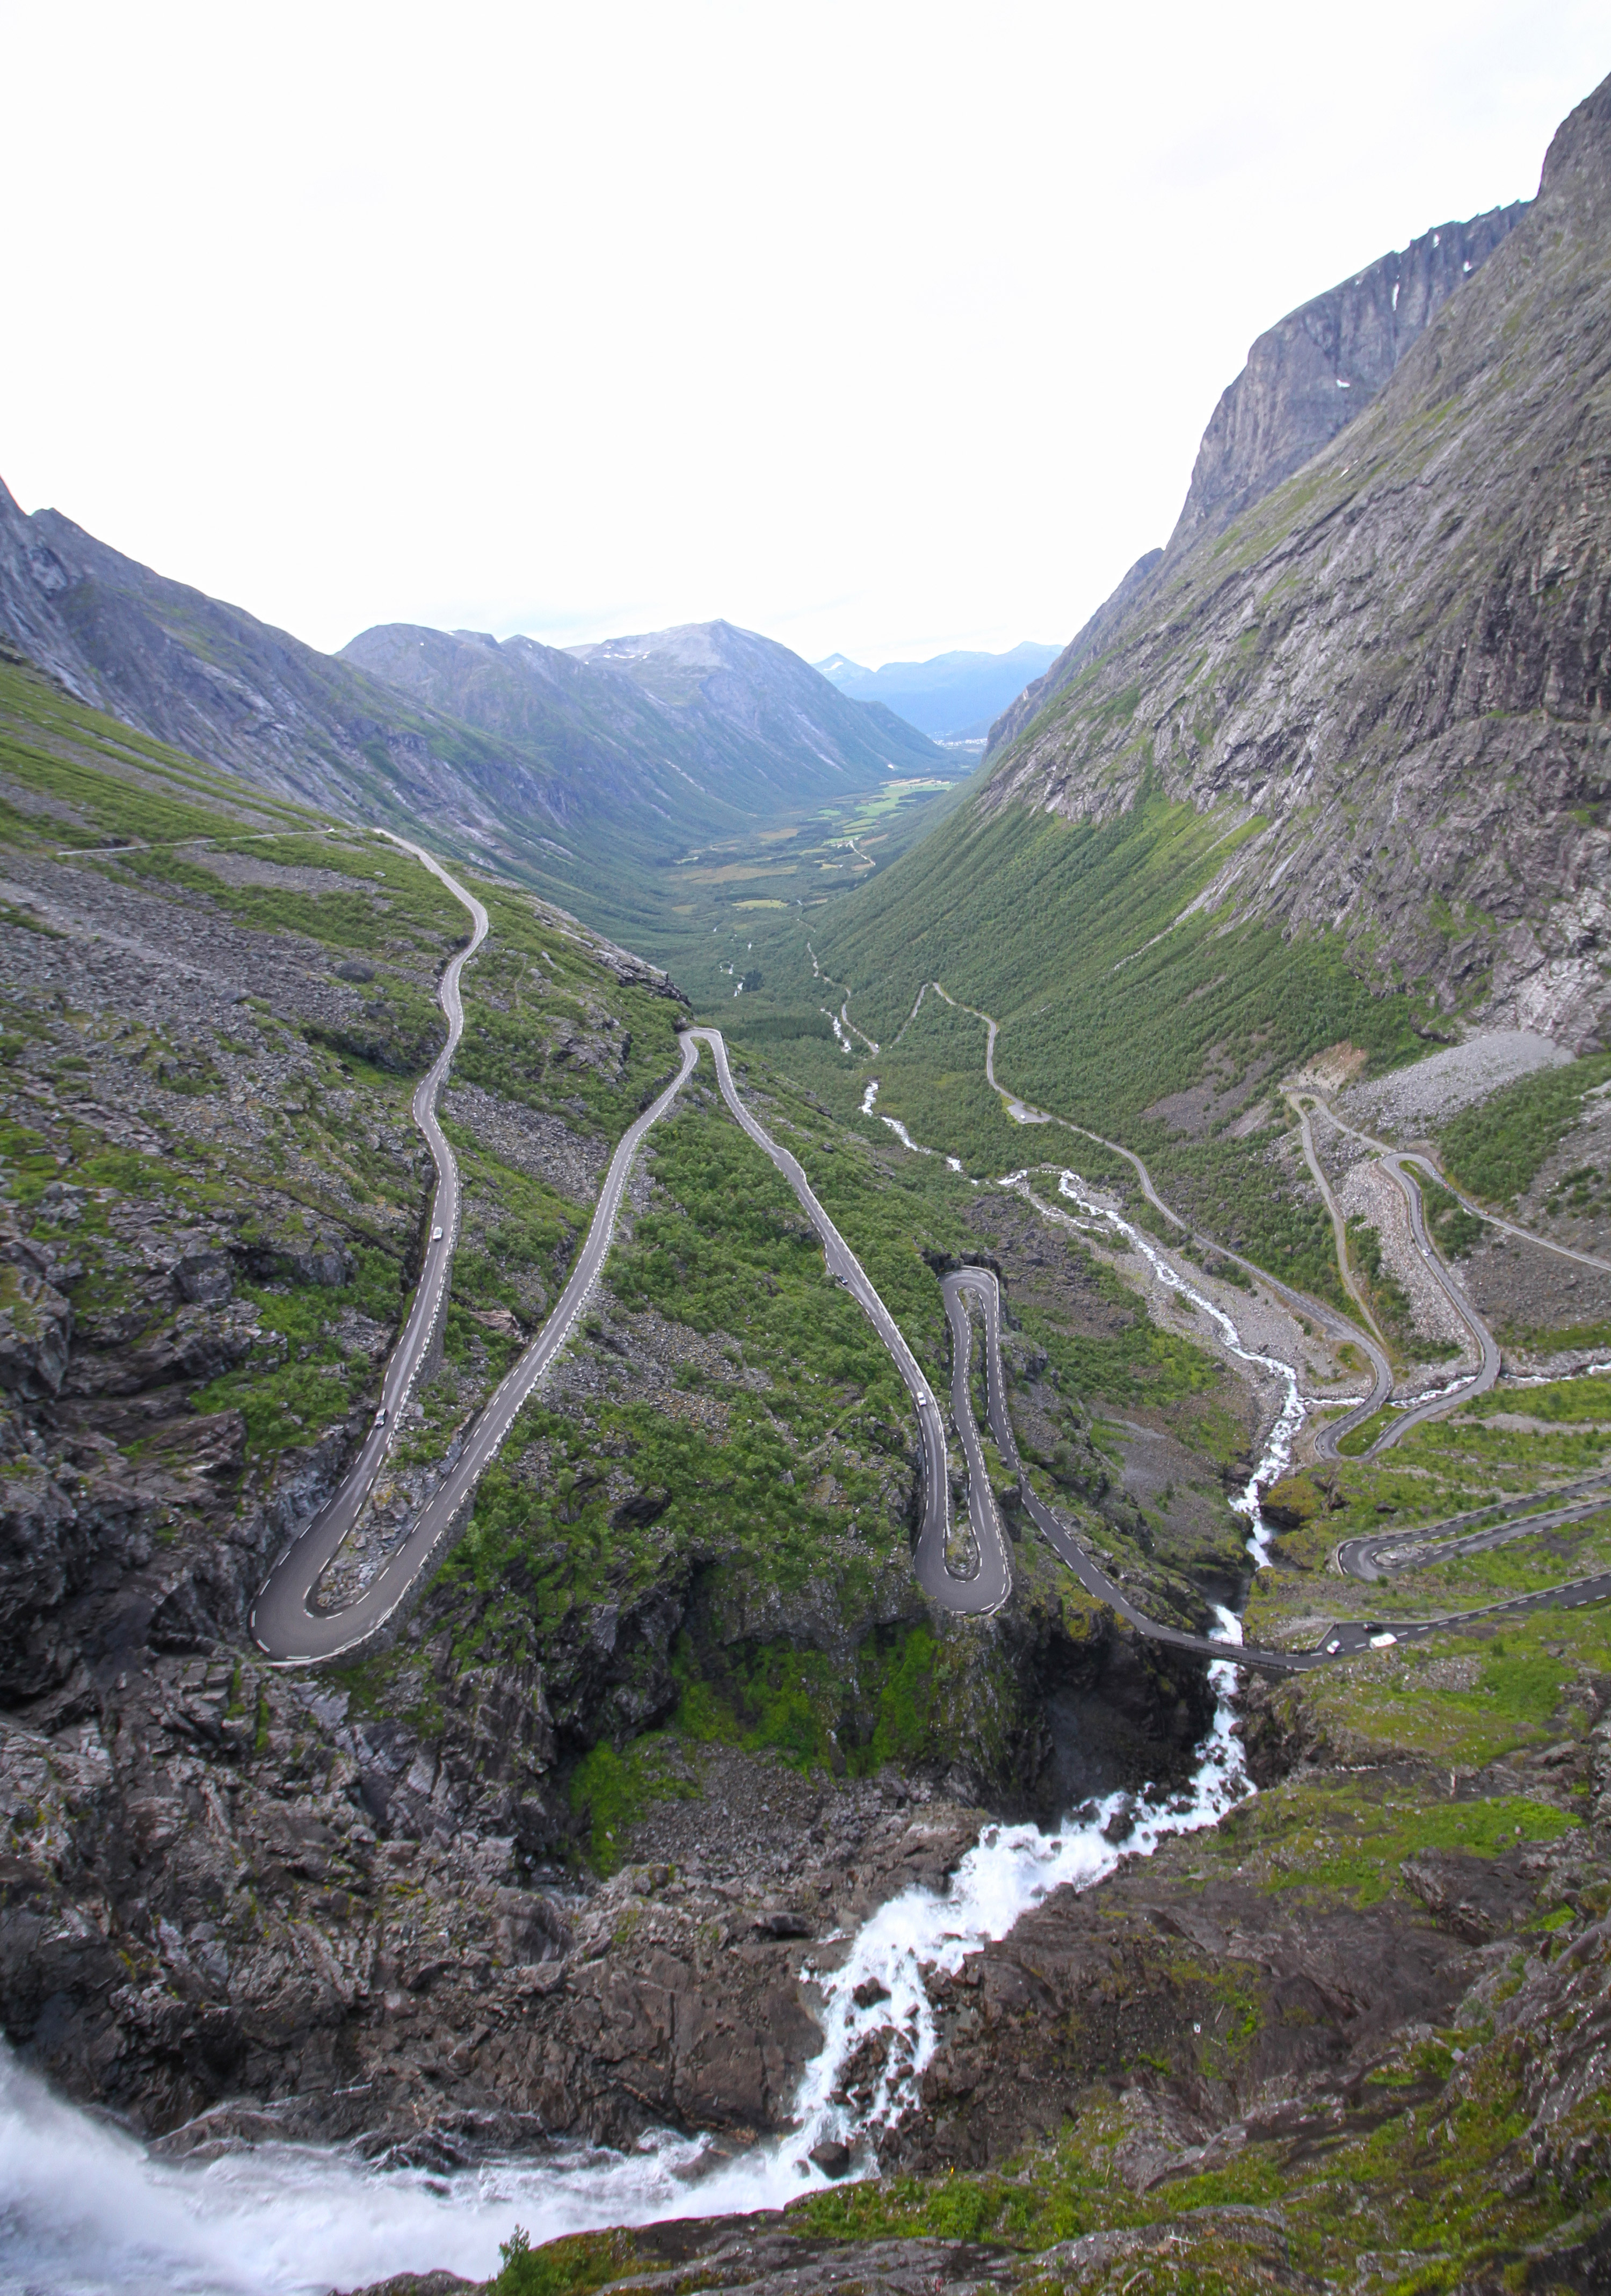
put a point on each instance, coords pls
(1145, 1364)
(1358, 1856)
(572, 2267)
(610, 1790)
(299, 1382)
(887, 1705)
(1562, 1402)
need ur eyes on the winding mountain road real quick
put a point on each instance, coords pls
(1494, 1219)
(1487, 1347)
(1378, 1555)
(1366, 1558)
(1382, 1552)
(288, 1623)
(291, 1629)
(1484, 1346)
(285, 1622)
(273, 1624)
(996, 1559)
(1336, 1327)
(986, 1592)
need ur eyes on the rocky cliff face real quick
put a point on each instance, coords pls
(1318, 368)
(1397, 662)
(1307, 2089)
(1306, 377)
(1087, 643)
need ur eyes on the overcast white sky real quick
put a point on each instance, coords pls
(886, 327)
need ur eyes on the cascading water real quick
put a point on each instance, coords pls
(1277, 1447)
(85, 2210)
(1012, 1869)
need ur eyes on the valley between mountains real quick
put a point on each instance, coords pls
(772, 1520)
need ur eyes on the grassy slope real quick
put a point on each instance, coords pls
(1497, 1149)
(1111, 1000)
(798, 1386)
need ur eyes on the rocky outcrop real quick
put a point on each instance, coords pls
(1305, 377)
(1321, 366)
(36, 1321)
(216, 1884)
(1143, 1973)
(1395, 665)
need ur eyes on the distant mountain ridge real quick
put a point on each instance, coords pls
(580, 775)
(212, 680)
(953, 697)
(722, 676)
(710, 714)
(1305, 378)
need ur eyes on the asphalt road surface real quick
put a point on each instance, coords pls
(1484, 1346)
(286, 1621)
(272, 1623)
(1505, 1227)
(1344, 1639)
(291, 1629)
(1383, 1552)
(1059, 1536)
(1338, 1328)
(995, 1560)
(989, 1589)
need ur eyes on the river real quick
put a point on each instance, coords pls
(87, 2211)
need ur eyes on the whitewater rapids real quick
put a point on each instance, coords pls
(86, 2211)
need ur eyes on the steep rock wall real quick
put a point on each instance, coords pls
(1305, 378)
(1398, 661)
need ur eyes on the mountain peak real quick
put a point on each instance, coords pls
(1392, 667)
(1306, 377)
